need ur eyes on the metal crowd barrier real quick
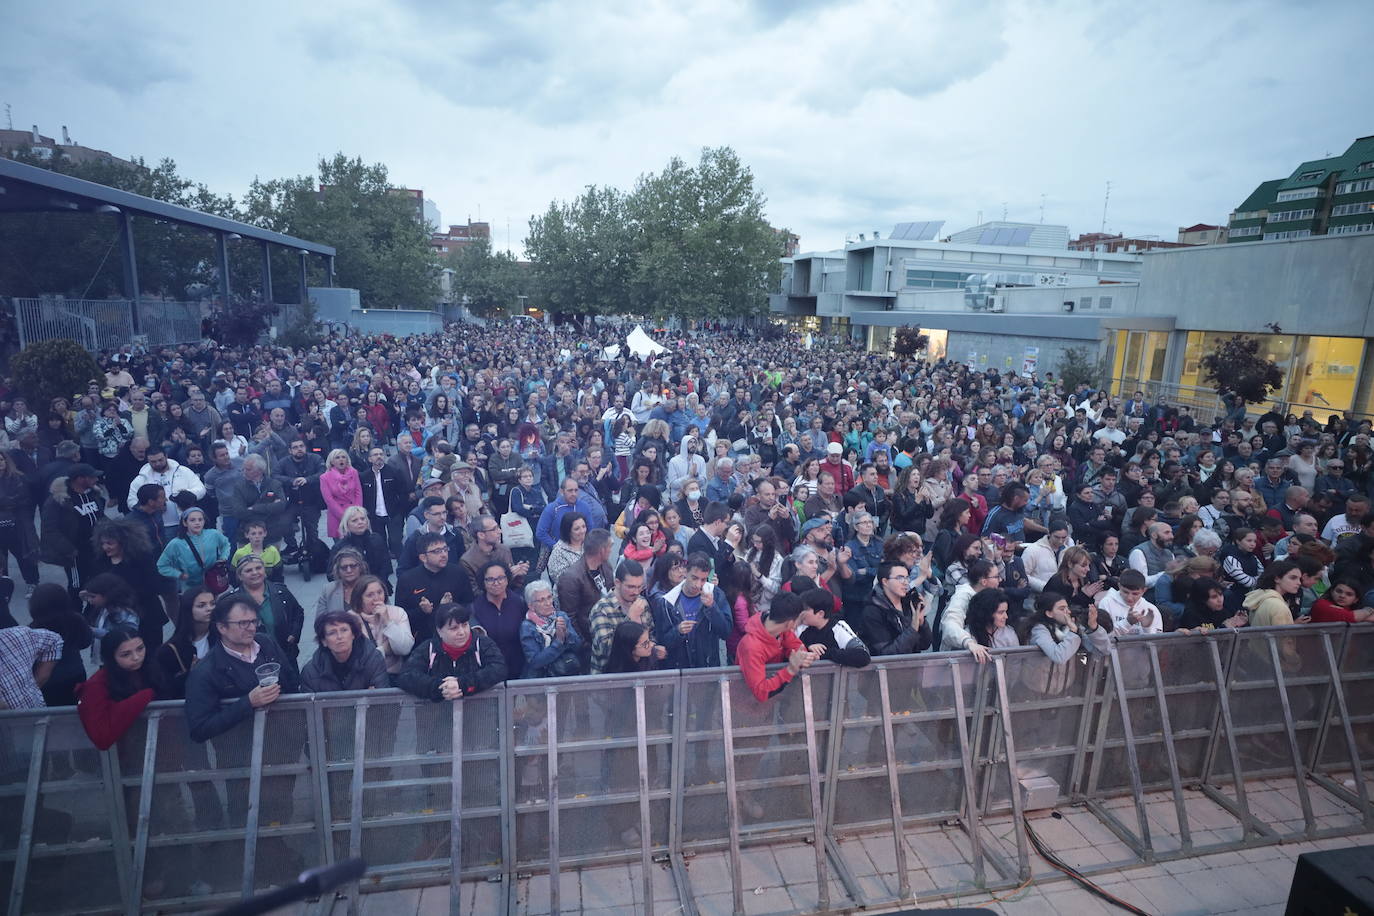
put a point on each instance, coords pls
(653, 770)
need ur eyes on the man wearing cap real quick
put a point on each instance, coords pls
(69, 515)
(842, 472)
(174, 478)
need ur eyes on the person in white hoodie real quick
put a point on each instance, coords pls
(1041, 558)
(174, 478)
(1131, 613)
(688, 463)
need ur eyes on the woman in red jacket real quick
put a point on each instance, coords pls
(769, 637)
(116, 695)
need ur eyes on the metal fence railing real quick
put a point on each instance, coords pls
(548, 777)
(102, 324)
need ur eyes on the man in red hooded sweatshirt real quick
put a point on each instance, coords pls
(768, 638)
(834, 463)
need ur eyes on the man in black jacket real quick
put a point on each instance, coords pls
(387, 513)
(69, 514)
(421, 589)
(300, 472)
(229, 672)
(827, 635)
(458, 661)
(708, 539)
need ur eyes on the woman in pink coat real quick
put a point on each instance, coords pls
(340, 487)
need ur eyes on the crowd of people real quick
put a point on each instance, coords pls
(497, 503)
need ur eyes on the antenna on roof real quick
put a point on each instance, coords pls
(9, 119)
(1106, 197)
(1004, 211)
(1042, 209)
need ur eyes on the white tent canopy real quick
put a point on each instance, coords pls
(642, 345)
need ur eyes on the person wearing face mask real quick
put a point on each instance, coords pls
(691, 505)
(687, 465)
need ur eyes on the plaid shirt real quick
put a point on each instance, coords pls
(605, 616)
(20, 649)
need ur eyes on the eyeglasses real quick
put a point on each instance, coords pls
(243, 624)
(437, 550)
(494, 579)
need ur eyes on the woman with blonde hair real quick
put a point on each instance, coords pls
(340, 487)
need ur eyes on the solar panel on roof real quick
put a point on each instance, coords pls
(1020, 237)
(987, 236)
(917, 232)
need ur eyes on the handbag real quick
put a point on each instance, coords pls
(516, 530)
(216, 575)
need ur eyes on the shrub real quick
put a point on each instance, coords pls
(1237, 366)
(52, 368)
(909, 341)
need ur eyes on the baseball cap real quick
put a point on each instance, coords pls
(834, 448)
(812, 525)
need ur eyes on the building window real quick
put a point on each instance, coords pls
(1290, 234)
(1104, 302)
(1352, 229)
(1300, 194)
(1355, 187)
(1365, 166)
(1085, 303)
(1353, 209)
(935, 279)
(1243, 231)
(1284, 216)
(1310, 176)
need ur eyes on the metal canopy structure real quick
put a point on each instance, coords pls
(29, 189)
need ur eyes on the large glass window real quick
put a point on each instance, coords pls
(1320, 373)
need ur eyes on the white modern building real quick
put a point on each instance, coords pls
(1014, 297)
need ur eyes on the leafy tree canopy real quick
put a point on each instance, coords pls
(1236, 365)
(53, 368)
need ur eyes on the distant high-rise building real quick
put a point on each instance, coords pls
(17, 142)
(432, 215)
(1332, 196)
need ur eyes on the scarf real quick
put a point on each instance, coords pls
(456, 652)
(544, 625)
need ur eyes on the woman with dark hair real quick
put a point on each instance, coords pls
(1240, 565)
(116, 695)
(764, 557)
(1055, 632)
(967, 548)
(386, 626)
(1205, 608)
(122, 547)
(668, 572)
(640, 477)
(459, 661)
(50, 608)
(954, 521)
(572, 531)
(740, 588)
(189, 644)
(1274, 600)
(986, 619)
(1075, 580)
(345, 659)
(500, 612)
(632, 649)
(1341, 604)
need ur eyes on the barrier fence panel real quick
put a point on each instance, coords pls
(554, 778)
(106, 324)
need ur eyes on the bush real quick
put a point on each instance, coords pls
(1237, 366)
(909, 341)
(53, 368)
(1076, 367)
(305, 331)
(241, 323)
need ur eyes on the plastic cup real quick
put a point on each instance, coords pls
(268, 674)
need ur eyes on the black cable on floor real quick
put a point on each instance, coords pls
(1069, 870)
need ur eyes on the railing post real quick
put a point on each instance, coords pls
(355, 797)
(1166, 728)
(147, 783)
(1132, 758)
(25, 845)
(893, 786)
(1004, 710)
(974, 820)
(817, 813)
(551, 716)
(1290, 733)
(119, 821)
(1351, 745)
(455, 847)
(250, 827)
(645, 837)
(731, 803)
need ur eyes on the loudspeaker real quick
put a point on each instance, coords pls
(1334, 881)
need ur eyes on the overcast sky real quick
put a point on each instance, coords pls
(852, 115)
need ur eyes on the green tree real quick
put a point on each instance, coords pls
(582, 254)
(908, 341)
(1076, 366)
(490, 282)
(1236, 365)
(704, 248)
(52, 368)
(383, 250)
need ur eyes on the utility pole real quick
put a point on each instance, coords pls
(1106, 197)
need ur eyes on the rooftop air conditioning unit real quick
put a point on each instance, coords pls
(996, 304)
